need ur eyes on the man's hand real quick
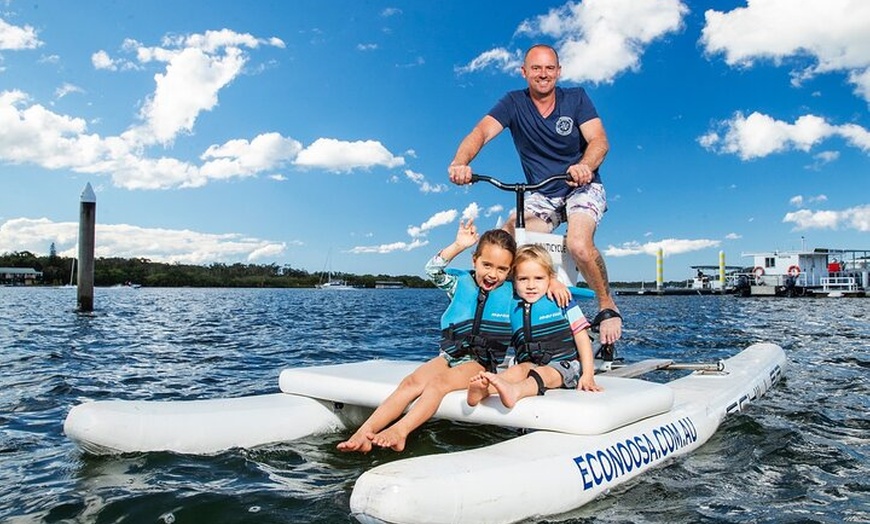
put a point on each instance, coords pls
(460, 174)
(579, 174)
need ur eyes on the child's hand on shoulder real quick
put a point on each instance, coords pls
(559, 292)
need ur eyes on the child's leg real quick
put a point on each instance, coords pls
(510, 392)
(427, 403)
(409, 389)
(480, 386)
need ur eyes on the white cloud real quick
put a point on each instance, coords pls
(389, 248)
(198, 66)
(798, 200)
(425, 186)
(492, 210)
(126, 241)
(857, 218)
(242, 158)
(733, 236)
(102, 60)
(438, 219)
(15, 38)
(471, 212)
(36, 135)
(66, 89)
(823, 158)
(759, 135)
(599, 39)
(669, 246)
(342, 156)
(500, 58)
(33, 134)
(417, 234)
(833, 34)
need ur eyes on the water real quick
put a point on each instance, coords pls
(800, 454)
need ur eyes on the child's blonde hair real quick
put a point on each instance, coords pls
(535, 253)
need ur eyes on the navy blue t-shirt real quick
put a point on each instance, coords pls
(547, 146)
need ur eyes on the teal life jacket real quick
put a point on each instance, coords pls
(477, 322)
(542, 332)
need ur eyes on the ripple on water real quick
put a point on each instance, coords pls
(800, 454)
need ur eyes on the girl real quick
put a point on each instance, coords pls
(552, 344)
(475, 333)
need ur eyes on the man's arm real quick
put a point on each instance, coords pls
(596, 149)
(485, 130)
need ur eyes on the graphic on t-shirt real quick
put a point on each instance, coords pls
(564, 125)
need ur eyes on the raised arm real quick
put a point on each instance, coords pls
(466, 237)
(485, 130)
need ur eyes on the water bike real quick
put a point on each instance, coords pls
(575, 447)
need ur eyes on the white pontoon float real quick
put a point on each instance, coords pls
(580, 444)
(585, 443)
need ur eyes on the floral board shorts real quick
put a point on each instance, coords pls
(590, 199)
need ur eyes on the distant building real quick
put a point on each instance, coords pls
(389, 284)
(11, 276)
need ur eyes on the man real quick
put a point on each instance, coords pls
(555, 130)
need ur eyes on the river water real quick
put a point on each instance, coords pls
(799, 454)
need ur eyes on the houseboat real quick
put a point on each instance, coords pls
(821, 272)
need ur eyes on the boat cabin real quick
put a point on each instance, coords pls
(827, 270)
(14, 276)
(809, 267)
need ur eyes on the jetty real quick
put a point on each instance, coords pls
(820, 273)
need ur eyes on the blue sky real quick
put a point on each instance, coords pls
(293, 132)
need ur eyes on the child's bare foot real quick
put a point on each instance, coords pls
(360, 441)
(508, 392)
(390, 438)
(478, 389)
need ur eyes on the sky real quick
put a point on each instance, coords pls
(317, 135)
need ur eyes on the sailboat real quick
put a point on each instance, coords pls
(332, 283)
(72, 274)
(335, 284)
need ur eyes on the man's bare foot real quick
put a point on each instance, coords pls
(611, 330)
(508, 392)
(390, 438)
(360, 441)
(609, 325)
(478, 389)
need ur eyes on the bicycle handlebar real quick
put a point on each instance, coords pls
(518, 187)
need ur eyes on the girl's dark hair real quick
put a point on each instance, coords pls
(499, 238)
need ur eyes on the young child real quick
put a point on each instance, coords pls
(553, 348)
(475, 334)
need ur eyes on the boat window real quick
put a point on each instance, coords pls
(769, 262)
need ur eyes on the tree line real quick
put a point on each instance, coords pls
(57, 270)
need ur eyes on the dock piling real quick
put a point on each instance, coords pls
(87, 226)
